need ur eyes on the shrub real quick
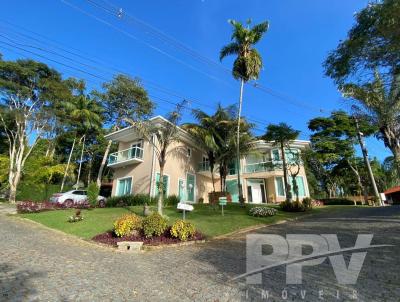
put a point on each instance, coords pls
(92, 193)
(172, 200)
(317, 203)
(129, 200)
(307, 203)
(36, 207)
(337, 201)
(183, 230)
(262, 212)
(154, 224)
(294, 206)
(127, 224)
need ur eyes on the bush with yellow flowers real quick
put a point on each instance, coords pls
(183, 230)
(129, 224)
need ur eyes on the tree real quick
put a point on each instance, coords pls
(27, 88)
(123, 98)
(281, 135)
(373, 42)
(382, 106)
(333, 141)
(161, 136)
(246, 67)
(84, 117)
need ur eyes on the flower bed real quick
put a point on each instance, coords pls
(36, 207)
(111, 239)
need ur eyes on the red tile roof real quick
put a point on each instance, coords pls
(392, 190)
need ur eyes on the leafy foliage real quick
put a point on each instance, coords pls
(129, 200)
(295, 206)
(92, 193)
(183, 230)
(126, 224)
(154, 225)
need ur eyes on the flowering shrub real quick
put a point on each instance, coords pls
(154, 224)
(182, 230)
(262, 212)
(127, 224)
(36, 207)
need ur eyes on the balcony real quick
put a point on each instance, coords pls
(261, 167)
(126, 157)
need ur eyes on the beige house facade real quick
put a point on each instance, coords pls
(187, 174)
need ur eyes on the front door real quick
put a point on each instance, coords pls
(190, 187)
(257, 190)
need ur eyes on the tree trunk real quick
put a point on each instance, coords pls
(285, 178)
(17, 150)
(240, 190)
(359, 182)
(68, 163)
(103, 163)
(80, 162)
(160, 190)
(212, 175)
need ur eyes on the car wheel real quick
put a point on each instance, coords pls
(102, 203)
(68, 203)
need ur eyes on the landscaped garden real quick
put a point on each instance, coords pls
(207, 219)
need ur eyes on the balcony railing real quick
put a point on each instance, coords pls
(263, 167)
(126, 155)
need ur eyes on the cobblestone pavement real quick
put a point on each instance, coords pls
(37, 264)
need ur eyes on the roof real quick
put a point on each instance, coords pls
(392, 190)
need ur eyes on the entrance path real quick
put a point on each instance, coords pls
(38, 264)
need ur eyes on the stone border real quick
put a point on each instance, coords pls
(179, 244)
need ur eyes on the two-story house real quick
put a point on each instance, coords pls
(186, 173)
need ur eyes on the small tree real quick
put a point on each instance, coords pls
(92, 193)
(281, 135)
(161, 136)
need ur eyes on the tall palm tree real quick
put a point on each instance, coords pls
(382, 104)
(246, 66)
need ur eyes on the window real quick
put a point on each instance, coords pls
(165, 183)
(124, 186)
(300, 185)
(280, 189)
(275, 155)
(189, 152)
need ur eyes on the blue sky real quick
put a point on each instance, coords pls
(174, 46)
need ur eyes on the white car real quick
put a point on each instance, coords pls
(74, 196)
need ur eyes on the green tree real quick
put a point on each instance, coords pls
(382, 106)
(373, 42)
(281, 135)
(27, 89)
(84, 116)
(123, 98)
(246, 67)
(333, 141)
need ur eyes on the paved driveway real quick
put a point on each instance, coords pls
(37, 264)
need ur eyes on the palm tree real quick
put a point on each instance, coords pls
(382, 105)
(281, 135)
(161, 137)
(246, 66)
(84, 114)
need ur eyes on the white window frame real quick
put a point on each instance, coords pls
(184, 186)
(138, 142)
(118, 184)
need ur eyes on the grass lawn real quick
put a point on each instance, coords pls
(207, 220)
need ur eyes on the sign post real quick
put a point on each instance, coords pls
(222, 203)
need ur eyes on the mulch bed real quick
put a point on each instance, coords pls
(111, 239)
